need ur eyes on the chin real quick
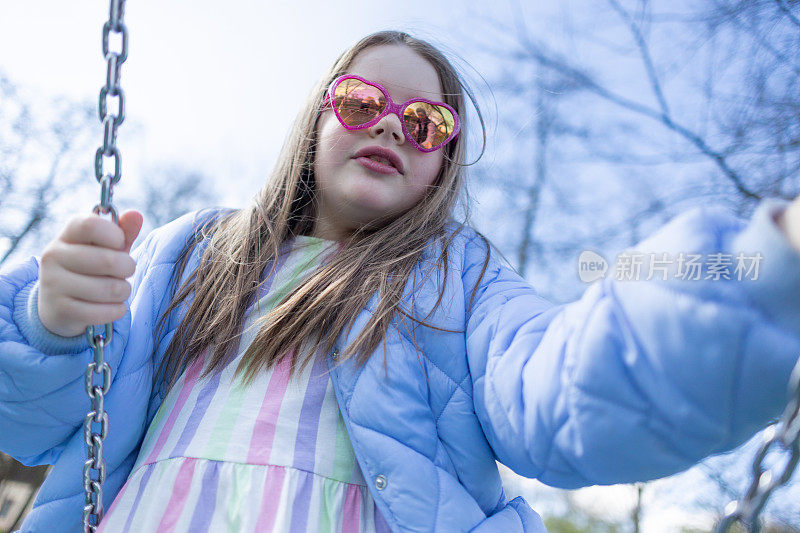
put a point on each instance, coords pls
(369, 205)
(371, 218)
(372, 215)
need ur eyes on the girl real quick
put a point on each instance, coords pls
(343, 356)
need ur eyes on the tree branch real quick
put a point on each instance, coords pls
(583, 79)
(788, 13)
(39, 209)
(644, 51)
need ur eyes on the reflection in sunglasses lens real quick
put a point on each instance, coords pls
(357, 103)
(430, 125)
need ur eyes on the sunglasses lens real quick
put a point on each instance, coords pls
(357, 102)
(430, 125)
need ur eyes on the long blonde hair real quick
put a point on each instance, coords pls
(241, 243)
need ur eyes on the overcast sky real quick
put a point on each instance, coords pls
(199, 77)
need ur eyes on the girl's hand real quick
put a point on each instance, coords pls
(789, 223)
(82, 273)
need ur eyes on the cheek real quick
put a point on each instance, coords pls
(332, 143)
(427, 168)
(329, 132)
(425, 171)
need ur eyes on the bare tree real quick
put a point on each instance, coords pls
(39, 164)
(748, 122)
(46, 151)
(706, 103)
(168, 191)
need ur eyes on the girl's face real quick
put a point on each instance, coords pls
(349, 194)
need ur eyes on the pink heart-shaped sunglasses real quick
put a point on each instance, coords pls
(359, 104)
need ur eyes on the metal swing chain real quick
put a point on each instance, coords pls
(784, 435)
(93, 486)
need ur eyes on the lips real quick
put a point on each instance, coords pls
(380, 152)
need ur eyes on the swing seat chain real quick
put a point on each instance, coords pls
(782, 437)
(94, 469)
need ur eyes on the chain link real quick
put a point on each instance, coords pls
(94, 469)
(783, 437)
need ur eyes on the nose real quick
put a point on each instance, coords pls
(388, 125)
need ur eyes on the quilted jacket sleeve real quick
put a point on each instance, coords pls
(637, 379)
(42, 392)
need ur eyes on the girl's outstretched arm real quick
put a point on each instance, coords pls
(637, 379)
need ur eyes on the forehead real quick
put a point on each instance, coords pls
(403, 72)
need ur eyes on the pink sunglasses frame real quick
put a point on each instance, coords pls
(391, 107)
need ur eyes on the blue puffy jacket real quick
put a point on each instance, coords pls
(636, 380)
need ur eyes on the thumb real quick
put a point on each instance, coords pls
(130, 222)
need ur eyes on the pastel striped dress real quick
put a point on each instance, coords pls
(273, 456)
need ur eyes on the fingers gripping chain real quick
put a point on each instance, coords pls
(93, 484)
(783, 437)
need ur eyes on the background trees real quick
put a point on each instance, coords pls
(46, 153)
